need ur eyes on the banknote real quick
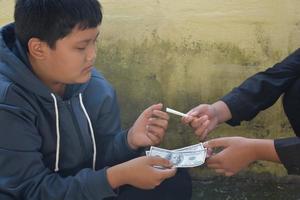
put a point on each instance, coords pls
(190, 156)
(194, 147)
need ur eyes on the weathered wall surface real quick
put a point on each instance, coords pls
(183, 53)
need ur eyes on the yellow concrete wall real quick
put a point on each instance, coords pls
(183, 53)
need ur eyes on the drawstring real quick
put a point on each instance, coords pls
(58, 132)
(91, 129)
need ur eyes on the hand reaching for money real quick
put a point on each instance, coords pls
(237, 153)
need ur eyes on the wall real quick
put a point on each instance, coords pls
(183, 53)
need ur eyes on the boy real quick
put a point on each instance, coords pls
(244, 103)
(60, 132)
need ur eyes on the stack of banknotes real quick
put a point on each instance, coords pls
(190, 156)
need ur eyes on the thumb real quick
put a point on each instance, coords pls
(159, 161)
(186, 120)
(218, 142)
(195, 112)
(168, 173)
(192, 114)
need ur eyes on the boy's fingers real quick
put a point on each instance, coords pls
(161, 114)
(158, 122)
(218, 142)
(214, 166)
(168, 173)
(201, 129)
(155, 130)
(198, 122)
(158, 106)
(188, 119)
(149, 111)
(203, 135)
(209, 153)
(191, 116)
(198, 110)
(194, 112)
(214, 160)
(154, 139)
(159, 161)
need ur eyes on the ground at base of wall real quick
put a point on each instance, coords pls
(246, 188)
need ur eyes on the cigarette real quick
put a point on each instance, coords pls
(169, 110)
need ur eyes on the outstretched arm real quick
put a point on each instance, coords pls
(238, 153)
(257, 93)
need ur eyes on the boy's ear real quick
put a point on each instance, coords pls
(37, 48)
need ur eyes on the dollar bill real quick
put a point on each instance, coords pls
(195, 147)
(191, 156)
(147, 153)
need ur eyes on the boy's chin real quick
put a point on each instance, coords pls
(83, 79)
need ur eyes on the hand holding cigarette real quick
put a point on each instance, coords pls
(169, 110)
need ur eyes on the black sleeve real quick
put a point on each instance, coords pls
(261, 90)
(288, 150)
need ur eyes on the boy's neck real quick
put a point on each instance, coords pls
(59, 89)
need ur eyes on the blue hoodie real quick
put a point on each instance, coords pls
(49, 144)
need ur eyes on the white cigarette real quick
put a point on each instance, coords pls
(169, 110)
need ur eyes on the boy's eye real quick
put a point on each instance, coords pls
(81, 48)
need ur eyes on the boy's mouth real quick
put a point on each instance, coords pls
(87, 68)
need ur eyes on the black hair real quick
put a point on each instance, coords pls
(51, 20)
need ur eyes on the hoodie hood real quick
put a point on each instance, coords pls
(14, 64)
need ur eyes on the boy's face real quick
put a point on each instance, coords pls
(72, 58)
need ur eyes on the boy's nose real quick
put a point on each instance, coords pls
(91, 56)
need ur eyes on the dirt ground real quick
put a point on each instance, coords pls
(247, 188)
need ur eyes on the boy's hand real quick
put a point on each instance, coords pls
(149, 129)
(237, 154)
(140, 172)
(203, 119)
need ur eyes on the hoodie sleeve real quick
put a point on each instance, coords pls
(23, 174)
(288, 151)
(262, 90)
(112, 142)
